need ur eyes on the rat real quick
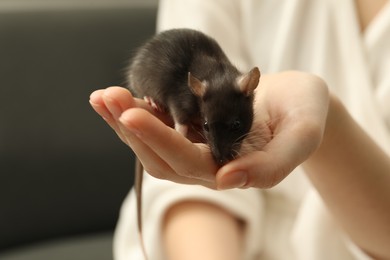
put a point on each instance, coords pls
(185, 73)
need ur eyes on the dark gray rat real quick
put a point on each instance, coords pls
(186, 73)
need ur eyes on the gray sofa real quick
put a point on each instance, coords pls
(63, 172)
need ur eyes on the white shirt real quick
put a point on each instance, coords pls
(323, 37)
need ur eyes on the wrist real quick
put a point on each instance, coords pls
(336, 120)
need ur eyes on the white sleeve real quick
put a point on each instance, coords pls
(160, 195)
(315, 230)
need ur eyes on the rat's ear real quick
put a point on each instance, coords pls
(196, 86)
(247, 83)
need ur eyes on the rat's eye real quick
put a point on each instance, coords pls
(206, 126)
(236, 125)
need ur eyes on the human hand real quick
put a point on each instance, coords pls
(291, 108)
(291, 105)
(164, 153)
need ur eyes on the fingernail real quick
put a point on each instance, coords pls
(233, 180)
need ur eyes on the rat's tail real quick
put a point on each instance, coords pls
(138, 190)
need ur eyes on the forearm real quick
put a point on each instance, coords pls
(352, 174)
(200, 230)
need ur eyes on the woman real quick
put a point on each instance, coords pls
(323, 181)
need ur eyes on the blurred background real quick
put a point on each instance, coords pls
(63, 171)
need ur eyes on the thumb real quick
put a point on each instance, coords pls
(265, 169)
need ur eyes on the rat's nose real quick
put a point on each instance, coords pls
(223, 159)
(223, 153)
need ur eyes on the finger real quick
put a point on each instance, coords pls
(110, 104)
(178, 152)
(123, 99)
(256, 169)
(98, 104)
(117, 100)
(152, 163)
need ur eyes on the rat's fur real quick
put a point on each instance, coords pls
(186, 73)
